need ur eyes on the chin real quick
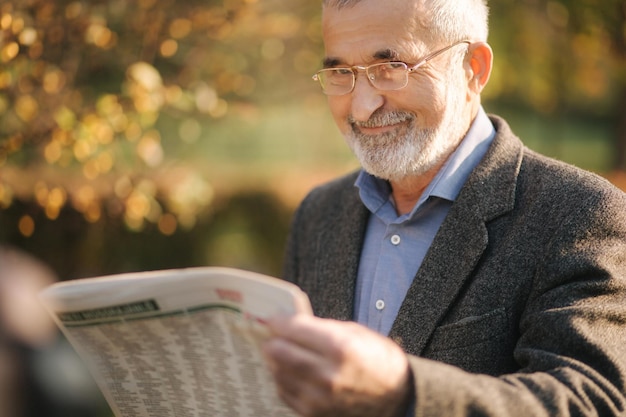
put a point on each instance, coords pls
(398, 164)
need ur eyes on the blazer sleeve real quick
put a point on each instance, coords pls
(572, 345)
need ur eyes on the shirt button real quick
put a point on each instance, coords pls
(395, 240)
(380, 304)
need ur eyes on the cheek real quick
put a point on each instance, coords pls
(424, 99)
(340, 109)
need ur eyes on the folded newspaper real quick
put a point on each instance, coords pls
(179, 343)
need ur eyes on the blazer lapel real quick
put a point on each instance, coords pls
(460, 242)
(337, 265)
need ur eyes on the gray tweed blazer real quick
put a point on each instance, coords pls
(519, 308)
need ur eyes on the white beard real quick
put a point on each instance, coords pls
(408, 150)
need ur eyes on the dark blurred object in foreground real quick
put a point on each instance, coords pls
(40, 374)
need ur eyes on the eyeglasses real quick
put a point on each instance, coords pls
(383, 76)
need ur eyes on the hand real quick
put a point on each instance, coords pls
(331, 368)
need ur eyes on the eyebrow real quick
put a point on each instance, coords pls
(386, 54)
(330, 62)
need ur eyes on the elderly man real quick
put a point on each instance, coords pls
(484, 279)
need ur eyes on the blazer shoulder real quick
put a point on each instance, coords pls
(563, 180)
(332, 194)
(513, 178)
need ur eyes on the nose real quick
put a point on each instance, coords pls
(366, 98)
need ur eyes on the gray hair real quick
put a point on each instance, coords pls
(444, 20)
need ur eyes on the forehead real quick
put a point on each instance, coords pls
(359, 33)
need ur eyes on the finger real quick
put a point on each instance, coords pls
(306, 401)
(313, 333)
(286, 358)
(298, 374)
(303, 405)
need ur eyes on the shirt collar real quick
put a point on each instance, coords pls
(447, 184)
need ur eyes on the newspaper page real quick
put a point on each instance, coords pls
(177, 343)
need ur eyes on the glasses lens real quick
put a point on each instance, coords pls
(336, 81)
(388, 75)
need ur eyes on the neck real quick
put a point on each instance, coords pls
(407, 191)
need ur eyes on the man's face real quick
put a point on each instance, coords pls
(401, 133)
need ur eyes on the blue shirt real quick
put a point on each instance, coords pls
(395, 246)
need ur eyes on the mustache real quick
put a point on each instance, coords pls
(382, 118)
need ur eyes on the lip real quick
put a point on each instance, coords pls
(377, 130)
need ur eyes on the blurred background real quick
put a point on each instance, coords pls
(152, 134)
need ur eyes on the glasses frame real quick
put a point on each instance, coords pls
(409, 69)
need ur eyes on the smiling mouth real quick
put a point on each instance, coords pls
(374, 130)
(382, 123)
(369, 128)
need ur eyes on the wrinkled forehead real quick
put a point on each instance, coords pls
(358, 32)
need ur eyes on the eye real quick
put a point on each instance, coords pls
(389, 66)
(342, 71)
(387, 70)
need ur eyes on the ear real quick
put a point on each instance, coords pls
(478, 66)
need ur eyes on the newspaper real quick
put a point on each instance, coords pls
(176, 343)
